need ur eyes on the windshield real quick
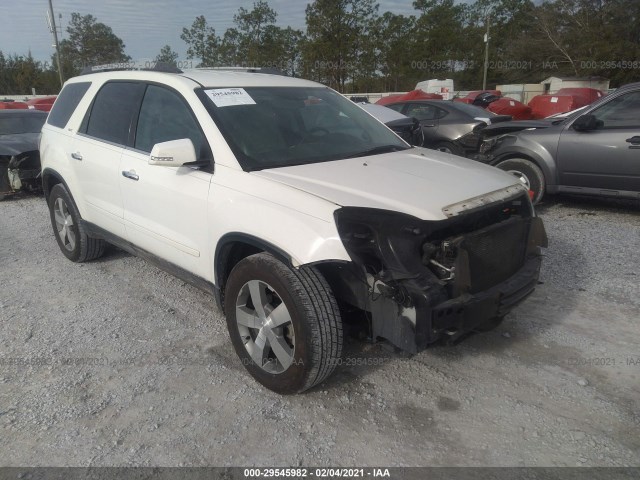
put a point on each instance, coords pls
(15, 124)
(472, 110)
(269, 127)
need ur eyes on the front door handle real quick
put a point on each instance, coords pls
(76, 156)
(634, 141)
(131, 174)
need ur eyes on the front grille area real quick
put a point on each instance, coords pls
(496, 252)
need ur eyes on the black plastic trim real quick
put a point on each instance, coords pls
(181, 273)
(239, 237)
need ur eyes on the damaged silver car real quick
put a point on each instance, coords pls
(19, 156)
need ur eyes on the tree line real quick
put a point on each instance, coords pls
(353, 47)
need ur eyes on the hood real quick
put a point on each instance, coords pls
(417, 182)
(17, 143)
(515, 126)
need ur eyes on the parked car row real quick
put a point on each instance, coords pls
(592, 150)
(41, 103)
(595, 150)
(540, 106)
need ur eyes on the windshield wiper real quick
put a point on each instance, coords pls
(378, 150)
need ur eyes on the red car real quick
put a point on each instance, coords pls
(12, 105)
(565, 100)
(42, 103)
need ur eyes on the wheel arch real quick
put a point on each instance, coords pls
(234, 247)
(547, 165)
(51, 178)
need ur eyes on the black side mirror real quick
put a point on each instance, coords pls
(586, 123)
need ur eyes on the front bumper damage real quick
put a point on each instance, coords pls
(445, 279)
(20, 173)
(413, 329)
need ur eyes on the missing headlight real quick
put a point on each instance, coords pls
(441, 258)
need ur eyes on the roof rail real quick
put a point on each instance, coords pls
(150, 66)
(264, 70)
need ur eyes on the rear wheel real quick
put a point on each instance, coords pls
(284, 323)
(528, 173)
(72, 238)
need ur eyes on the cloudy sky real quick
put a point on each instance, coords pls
(144, 25)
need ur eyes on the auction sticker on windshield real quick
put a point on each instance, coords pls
(227, 97)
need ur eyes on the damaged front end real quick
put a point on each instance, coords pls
(424, 280)
(20, 172)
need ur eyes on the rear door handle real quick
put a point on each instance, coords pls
(634, 141)
(131, 174)
(76, 156)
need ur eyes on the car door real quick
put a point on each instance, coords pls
(607, 158)
(96, 152)
(427, 115)
(165, 208)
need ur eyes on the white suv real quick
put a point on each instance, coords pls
(291, 205)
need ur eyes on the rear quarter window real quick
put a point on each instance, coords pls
(113, 110)
(66, 103)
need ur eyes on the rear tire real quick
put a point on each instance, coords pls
(284, 323)
(529, 173)
(72, 238)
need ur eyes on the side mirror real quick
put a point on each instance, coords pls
(586, 123)
(175, 153)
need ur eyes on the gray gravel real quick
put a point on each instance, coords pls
(116, 363)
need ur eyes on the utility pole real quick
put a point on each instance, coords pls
(486, 53)
(54, 30)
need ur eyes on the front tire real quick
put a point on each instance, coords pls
(529, 173)
(284, 323)
(72, 238)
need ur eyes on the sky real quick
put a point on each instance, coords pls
(145, 26)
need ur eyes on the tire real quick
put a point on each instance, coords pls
(308, 329)
(529, 173)
(448, 147)
(70, 234)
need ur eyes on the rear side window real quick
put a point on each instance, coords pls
(113, 110)
(66, 103)
(422, 111)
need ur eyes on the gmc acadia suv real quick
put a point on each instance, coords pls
(287, 202)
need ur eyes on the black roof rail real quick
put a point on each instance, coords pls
(149, 66)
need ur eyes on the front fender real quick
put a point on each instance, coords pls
(299, 227)
(516, 146)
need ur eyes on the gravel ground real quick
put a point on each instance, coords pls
(131, 366)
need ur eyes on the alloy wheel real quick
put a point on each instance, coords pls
(64, 224)
(265, 326)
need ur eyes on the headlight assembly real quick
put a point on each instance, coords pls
(386, 243)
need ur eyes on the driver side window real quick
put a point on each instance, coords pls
(621, 112)
(164, 116)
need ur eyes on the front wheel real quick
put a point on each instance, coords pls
(73, 240)
(284, 323)
(528, 173)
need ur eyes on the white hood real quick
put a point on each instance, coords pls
(420, 183)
